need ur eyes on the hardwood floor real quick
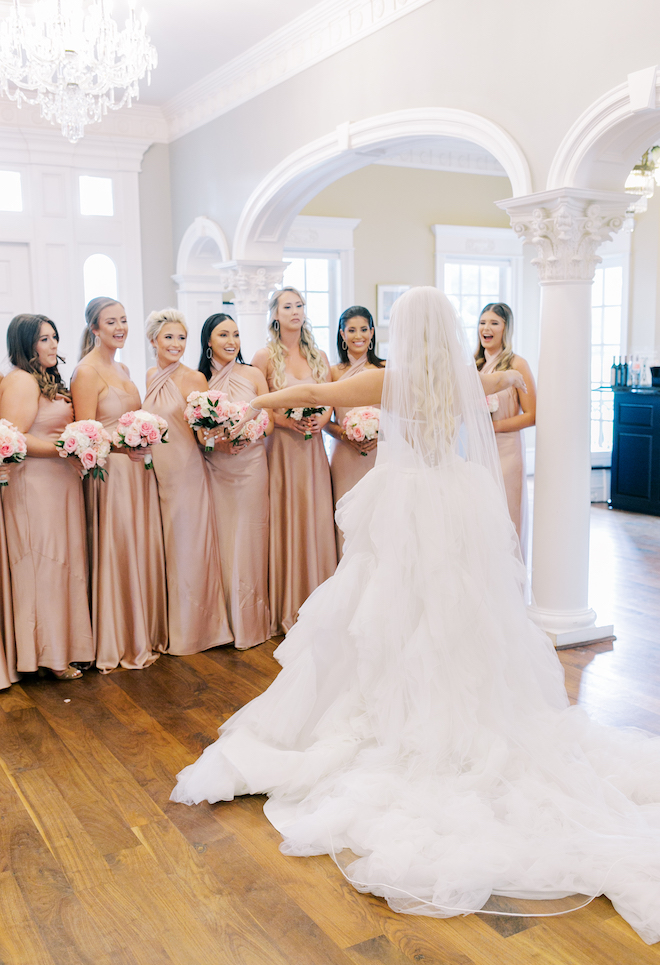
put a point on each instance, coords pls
(97, 867)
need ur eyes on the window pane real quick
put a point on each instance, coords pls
(597, 290)
(452, 278)
(96, 196)
(294, 274)
(317, 308)
(99, 277)
(470, 279)
(317, 274)
(613, 284)
(11, 198)
(322, 337)
(490, 279)
(612, 324)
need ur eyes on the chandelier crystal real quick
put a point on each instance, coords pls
(70, 58)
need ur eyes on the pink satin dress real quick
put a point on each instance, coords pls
(239, 488)
(46, 543)
(196, 600)
(125, 537)
(511, 448)
(8, 673)
(303, 551)
(347, 466)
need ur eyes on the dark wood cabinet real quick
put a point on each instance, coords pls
(636, 451)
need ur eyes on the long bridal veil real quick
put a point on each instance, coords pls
(420, 719)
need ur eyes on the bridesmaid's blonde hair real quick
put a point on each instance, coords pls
(308, 347)
(93, 311)
(156, 320)
(506, 358)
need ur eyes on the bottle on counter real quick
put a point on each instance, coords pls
(613, 372)
(636, 377)
(625, 373)
(619, 373)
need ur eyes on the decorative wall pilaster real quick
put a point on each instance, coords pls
(251, 283)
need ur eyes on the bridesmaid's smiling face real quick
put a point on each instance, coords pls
(491, 332)
(46, 346)
(357, 335)
(170, 343)
(290, 312)
(225, 342)
(112, 327)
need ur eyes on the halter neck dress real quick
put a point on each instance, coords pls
(347, 466)
(45, 521)
(303, 551)
(195, 595)
(129, 597)
(511, 448)
(239, 489)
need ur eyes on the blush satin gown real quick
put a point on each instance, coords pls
(303, 551)
(8, 674)
(347, 466)
(511, 449)
(197, 614)
(129, 597)
(239, 488)
(46, 543)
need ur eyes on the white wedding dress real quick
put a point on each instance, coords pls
(420, 719)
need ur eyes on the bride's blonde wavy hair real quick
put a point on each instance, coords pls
(308, 347)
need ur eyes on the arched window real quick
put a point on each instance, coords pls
(99, 277)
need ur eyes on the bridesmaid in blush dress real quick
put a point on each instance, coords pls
(129, 599)
(303, 552)
(350, 461)
(515, 409)
(238, 473)
(195, 596)
(44, 510)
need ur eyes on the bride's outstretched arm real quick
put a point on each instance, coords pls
(363, 389)
(497, 381)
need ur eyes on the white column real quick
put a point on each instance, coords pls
(567, 226)
(251, 282)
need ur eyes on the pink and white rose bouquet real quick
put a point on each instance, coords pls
(13, 446)
(305, 412)
(255, 428)
(361, 424)
(140, 430)
(208, 410)
(493, 403)
(88, 440)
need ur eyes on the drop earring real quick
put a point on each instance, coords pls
(97, 341)
(371, 342)
(344, 345)
(276, 325)
(209, 353)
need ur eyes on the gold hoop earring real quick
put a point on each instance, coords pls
(276, 325)
(371, 342)
(344, 345)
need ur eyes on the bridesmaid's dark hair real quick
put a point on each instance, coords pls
(212, 322)
(505, 313)
(22, 335)
(357, 311)
(93, 310)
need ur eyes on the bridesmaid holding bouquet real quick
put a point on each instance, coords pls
(129, 601)
(195, 596)
(303, 552)
(350, 461)
(238, 472)
(512, 409)
(44, 510)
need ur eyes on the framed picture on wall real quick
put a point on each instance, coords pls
(387, 295)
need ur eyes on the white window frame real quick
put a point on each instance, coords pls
(481, 245)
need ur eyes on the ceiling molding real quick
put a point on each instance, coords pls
(141, 121)
(452, 155)
(327, 28)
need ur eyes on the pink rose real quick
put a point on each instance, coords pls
(89, 430)
(132, 438)
(153, 435)
(88, 459)
(70, 444)
(6, 449)
(145, 429)
(358, 433)
(126, 419)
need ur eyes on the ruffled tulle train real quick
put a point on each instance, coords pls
(420, 720)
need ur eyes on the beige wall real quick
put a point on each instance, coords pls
(394, 244)
(156, 229)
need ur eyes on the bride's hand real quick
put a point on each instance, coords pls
(513, 379)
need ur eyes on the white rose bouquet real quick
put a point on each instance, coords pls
(361, 424)
(305, 413)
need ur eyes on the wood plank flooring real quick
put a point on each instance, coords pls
(97, 867)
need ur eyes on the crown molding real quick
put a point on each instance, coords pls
(452, 154)
(140, 122)
(330, 26)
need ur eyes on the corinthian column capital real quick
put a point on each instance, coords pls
(567, 226)
(251, 282)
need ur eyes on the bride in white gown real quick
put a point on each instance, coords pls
(420, 718)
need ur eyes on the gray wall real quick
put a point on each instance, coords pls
(158, 258)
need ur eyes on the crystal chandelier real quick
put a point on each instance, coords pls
(69, 57)
(643, 178)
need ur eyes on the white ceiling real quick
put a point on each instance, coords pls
(194, 37)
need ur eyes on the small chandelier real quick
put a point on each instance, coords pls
(69, 58)
(643, 178)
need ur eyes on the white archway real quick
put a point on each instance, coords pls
(277, 200)
(608, 139)
(200, 290)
